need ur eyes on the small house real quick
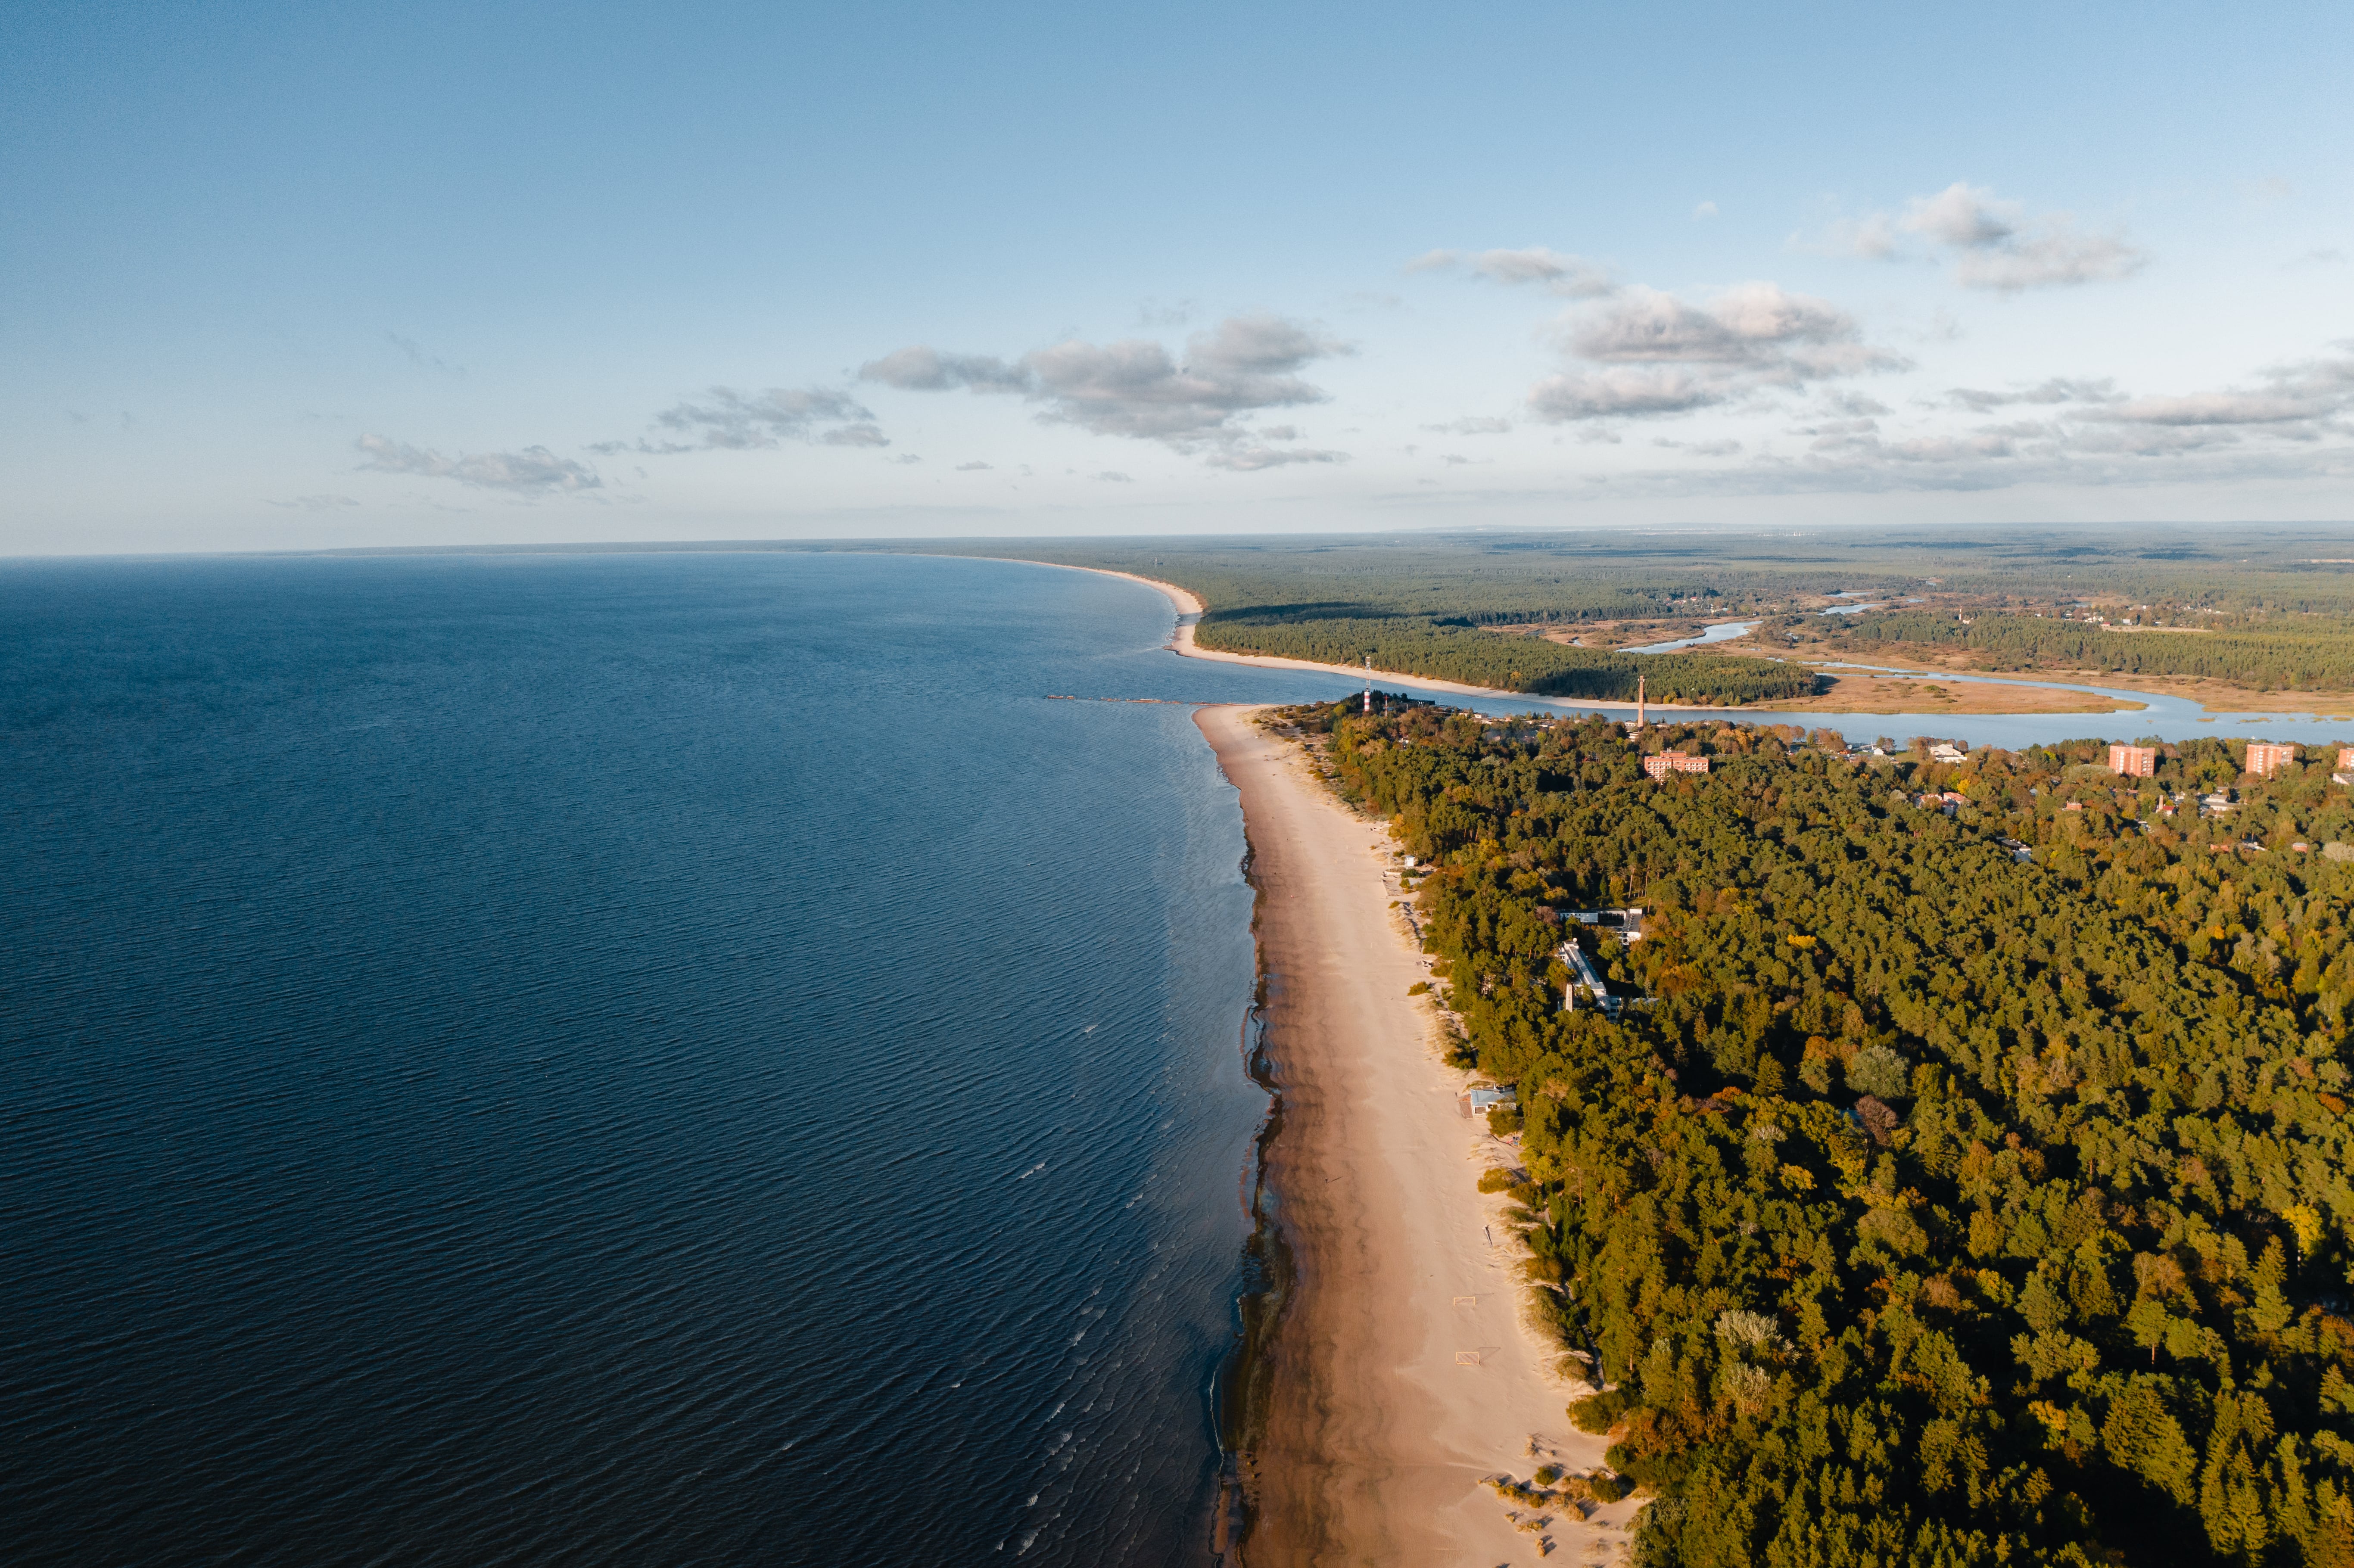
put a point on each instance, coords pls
(1479, 1101)
(1947, 751)
(1626, 925)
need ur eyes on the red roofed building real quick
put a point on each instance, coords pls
(2266, 759)
(1668, 762)
(2133, 761)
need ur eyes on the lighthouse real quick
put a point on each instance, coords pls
(1369, 685)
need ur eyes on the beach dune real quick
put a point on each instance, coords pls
(1401, 1373)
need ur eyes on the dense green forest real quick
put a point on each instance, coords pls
(1416, 646)
(1940, 1207)
(2292, 657)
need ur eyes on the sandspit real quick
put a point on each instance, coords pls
(1401, 1373)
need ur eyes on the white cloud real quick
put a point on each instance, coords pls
(1473, 425)
(2301, 401)
(728, 420)
(1626, 390)
(1137, 389)
(2215, 408)
(1113, 476)
(2057, 255)
(1995, 242)
(1572, 276)
(1963, 215)
(531, 468)
(316, 503)
(2054, 389)
(1706, 209)
(1249, 456)
(920, 369)
(1663, 354)
(975, 466)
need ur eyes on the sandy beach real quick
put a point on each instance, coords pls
(1401, 1373)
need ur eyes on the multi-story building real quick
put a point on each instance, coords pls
(2133, 761)
(2266, 757)
(1668, 762)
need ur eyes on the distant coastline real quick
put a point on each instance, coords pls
(1190, 611)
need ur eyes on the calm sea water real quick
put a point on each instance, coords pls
(613, 1059)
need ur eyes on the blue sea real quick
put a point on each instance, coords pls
(631, 1059)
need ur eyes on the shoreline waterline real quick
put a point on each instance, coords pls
(1402, 1369)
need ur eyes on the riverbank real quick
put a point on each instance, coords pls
(1400, 1374)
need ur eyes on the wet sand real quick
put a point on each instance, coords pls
(1402, 1372)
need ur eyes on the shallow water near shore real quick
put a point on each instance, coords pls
(644, 1059)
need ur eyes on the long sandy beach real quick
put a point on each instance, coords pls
(1401, 1373)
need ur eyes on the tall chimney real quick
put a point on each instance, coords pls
(1638, 701)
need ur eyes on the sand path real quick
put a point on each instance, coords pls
(1403, 1372)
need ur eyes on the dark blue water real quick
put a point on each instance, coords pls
(612, 1059)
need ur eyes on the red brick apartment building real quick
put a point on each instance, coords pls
(2133, 761)
(1668, 762)
(2266, 759)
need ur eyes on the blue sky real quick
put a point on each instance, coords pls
(320, 276)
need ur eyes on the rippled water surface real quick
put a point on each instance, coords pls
(643, 1060)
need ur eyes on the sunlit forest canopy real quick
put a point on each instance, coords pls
(1966, 1181)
